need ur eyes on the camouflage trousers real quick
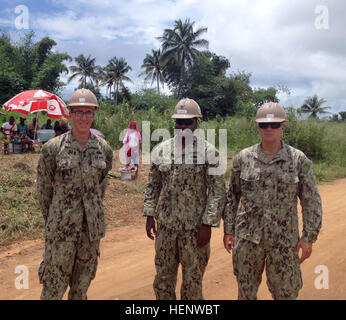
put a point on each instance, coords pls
(174, 247)
(72, 263)
(282, 269)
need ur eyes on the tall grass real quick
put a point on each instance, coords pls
(20, 215)
(324, 142)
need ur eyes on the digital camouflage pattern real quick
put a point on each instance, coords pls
(190, 195)
(269, 191)
(266, 224)
(282, 269)
(172, 248)
(71, 182)
(71, 263)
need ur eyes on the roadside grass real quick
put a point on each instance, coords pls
(20, 216)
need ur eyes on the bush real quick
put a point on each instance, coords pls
(308, 136)
(146, 99)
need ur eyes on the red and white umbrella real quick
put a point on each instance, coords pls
(31, 101)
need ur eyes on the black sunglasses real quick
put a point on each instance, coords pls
(79, 114)
(187, 122)
(273, 125)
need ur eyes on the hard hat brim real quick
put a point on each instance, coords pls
(270, 120)
(82, 104)
(185, 116)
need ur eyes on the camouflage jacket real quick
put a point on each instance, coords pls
(268, 191)
(71, 182)
(191, 194)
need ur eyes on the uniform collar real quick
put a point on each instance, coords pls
(282, 154)
(73, 143)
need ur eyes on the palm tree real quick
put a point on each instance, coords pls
(181, 44)
(98, 77)
(85, 68)
(182, 41)
(313, 105)
(115, 71)
(107, 80)
(154, 68)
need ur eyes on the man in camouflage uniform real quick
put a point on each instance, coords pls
(192, 201)
(263, 233)
(71, 182)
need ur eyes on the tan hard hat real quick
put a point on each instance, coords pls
(83, 97)
(187, 109)
(271, 112)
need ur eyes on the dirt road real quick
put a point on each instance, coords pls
(126, 267)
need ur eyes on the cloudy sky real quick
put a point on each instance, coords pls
(298, 44)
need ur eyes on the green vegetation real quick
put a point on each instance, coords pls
(20, 216)
(321, 140)
(28, 65)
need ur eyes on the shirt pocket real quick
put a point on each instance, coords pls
(287, 187)
(67, 168)
(250, 182)
(251, 188)
(98, 166)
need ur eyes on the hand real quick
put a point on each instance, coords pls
(306, 250)
(203, 235)
(228, 242)
(150, 226)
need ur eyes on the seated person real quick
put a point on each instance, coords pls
(22, 127)
(8, 129)
(48, 125)
(56, 125)
(32, 133)
(64, 127)
(58, 132)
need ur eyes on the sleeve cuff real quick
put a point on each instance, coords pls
(210, 224)
(309, 237)
(229, 229)
(148, 212)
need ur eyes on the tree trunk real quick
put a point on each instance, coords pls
(116, 95)
(158, 85)
(110, 92)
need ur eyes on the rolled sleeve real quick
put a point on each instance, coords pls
(311, 203)
(45, 180)
(233, 198)
(152, 191)
(109, 165)
(216, 199)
